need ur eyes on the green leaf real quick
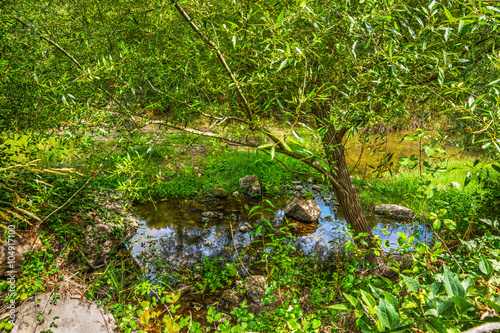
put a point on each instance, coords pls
(298, 136)
(391, 299)
(387, 315)
(369, 301)
(444, 307)
(450, 224)
(485, 267)
(273, 149)
(340, 307)
(447, 32)
(496, 167)
(283, 64)
(280, 18)
(412, 284)
(468, 178)
(436, 224)
(452, 285)
(462, 305)
(351, 299)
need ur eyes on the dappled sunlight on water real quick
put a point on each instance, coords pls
(176, 230)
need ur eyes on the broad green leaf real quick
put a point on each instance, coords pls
(387, 315)
(436, 224)
(412, 284)
(450, 224)
(462, 305)
(485, 267)
(452, 285)
(351, 299)
(445, 306)
(369, 301)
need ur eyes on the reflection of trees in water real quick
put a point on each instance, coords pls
(183, 239)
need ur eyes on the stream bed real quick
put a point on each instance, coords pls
(182, 231)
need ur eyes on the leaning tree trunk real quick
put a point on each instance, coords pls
(344, 190)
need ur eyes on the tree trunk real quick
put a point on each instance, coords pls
(342, 187)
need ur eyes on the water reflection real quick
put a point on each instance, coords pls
(177, 232)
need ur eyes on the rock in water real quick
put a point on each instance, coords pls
(395, 212)
(250, 186)
(220, 192)
(65, 315)
(302, 210)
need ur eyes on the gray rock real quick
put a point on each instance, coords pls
(256, 286)
(299, 188)
(207, 244)
(220, 192)
(302, 210)
(316, 187)
(395, 212)
(250, 186)
(243, 228)
(70, 315)
(296, 182)
(454, 184)
(105, 236)
(205, 220)
(303, 191)
(310, 180)
(231, 296)
(208, 214)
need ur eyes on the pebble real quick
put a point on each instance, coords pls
(204, 220)
(296, 182)
(236, 193)
(243, 228)
(233, 217)
(299, 188)
(316, 187)
(208, 214)
(207, 243)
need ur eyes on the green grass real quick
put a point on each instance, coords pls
(434, 191)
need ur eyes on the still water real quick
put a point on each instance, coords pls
(176, 230)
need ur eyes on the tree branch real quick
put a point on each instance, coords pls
(219, 55)
(57, 46)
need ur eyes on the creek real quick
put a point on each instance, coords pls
(177, 231)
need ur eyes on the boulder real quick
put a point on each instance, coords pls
(109, 231)
(220, 192)
(250, 186)
(302, 210)
(62, 316)
(395, 212)
(256, 286)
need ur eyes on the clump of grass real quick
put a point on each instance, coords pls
(432, 191)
